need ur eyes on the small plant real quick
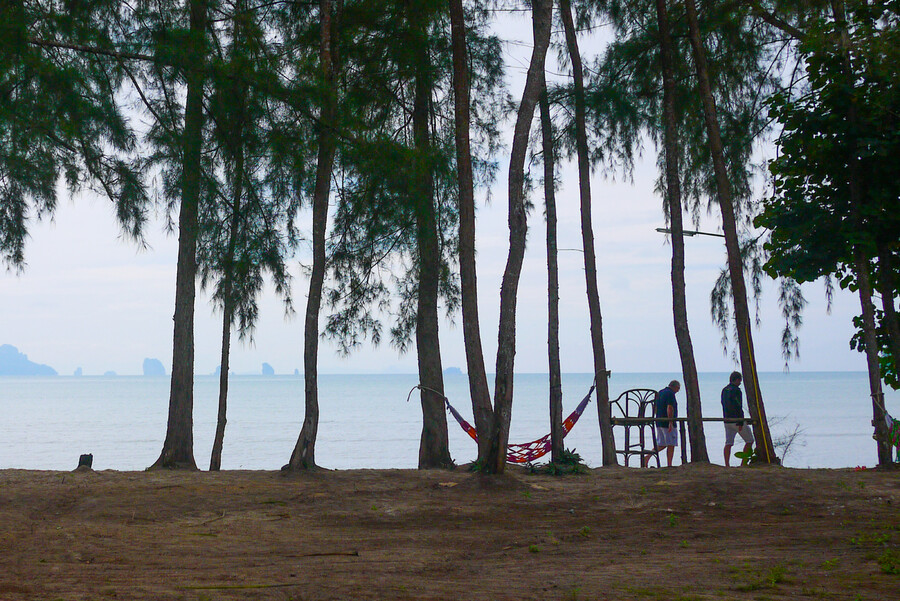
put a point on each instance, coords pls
(585, 531)
(776, 574)
(569, 463)
(747, 457)
(534, 549)
(683, 544)
(830, 564)
(673, 520)
(889, 562)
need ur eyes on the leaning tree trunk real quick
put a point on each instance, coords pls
(215, 458)
(766, 451)
(304, 454)
(860, 262)
(601, 374)
(673, 209)
(557, 447)
(178, 447)
(434, 446)
(542, 11)
(478, 384)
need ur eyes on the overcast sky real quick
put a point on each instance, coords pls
(89, 299)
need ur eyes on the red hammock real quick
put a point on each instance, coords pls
(528, 452)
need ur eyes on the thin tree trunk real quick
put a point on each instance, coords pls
(434, 446)
(215, 461)
(861, 263)
(215, 458)
(478, 384)
(304, 453)
(557, 446)
(601, 374)
(766, 451)
(882, 441)
(673, 207)
(236, 137)
(178, 447)
(542, 11)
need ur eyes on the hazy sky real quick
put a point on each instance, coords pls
(89, 299)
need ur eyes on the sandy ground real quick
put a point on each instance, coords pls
(694, 532)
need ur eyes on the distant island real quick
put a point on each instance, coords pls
(154, 367)
(453, 371)
(268, 370)
(14, 363)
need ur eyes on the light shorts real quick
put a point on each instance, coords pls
(665, 438)
(731, 430)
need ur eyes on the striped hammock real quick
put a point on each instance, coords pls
(528, 452)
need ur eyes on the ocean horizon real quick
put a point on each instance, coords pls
(366, 422)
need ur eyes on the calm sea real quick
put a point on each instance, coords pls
(366, 422)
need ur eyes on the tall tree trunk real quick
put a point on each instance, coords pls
(304, 453)
(236, 138)
(178, 447)
(882, 440)
(478, 384)
(601, 374)
(542, 11)
(434, 446)
(673, 207)
(861, 262)
(557, 433)
(215, 460)
(766, 451)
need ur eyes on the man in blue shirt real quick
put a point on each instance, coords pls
(666, 411)
(732, 408)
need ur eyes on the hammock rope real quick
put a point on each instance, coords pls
(519, 453)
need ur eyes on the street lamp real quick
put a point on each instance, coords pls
(663, 230)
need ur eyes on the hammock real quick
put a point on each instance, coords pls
(528, 452)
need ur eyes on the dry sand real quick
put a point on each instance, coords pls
(694, 532)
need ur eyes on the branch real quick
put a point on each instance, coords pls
(92, 50)
(775, 21)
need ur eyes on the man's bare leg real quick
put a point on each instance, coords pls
(670, 453)
(728, 455)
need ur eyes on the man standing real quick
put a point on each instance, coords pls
(666, 412)
(732, 408)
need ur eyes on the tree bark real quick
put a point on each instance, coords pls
(478, 384)
(601, 374)
(215, 458)
(434, 446)
(557, 446)
(542, 11)
(861, 262)
(765, 449)
(674, 211)
(304, 453)
(178, 447)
